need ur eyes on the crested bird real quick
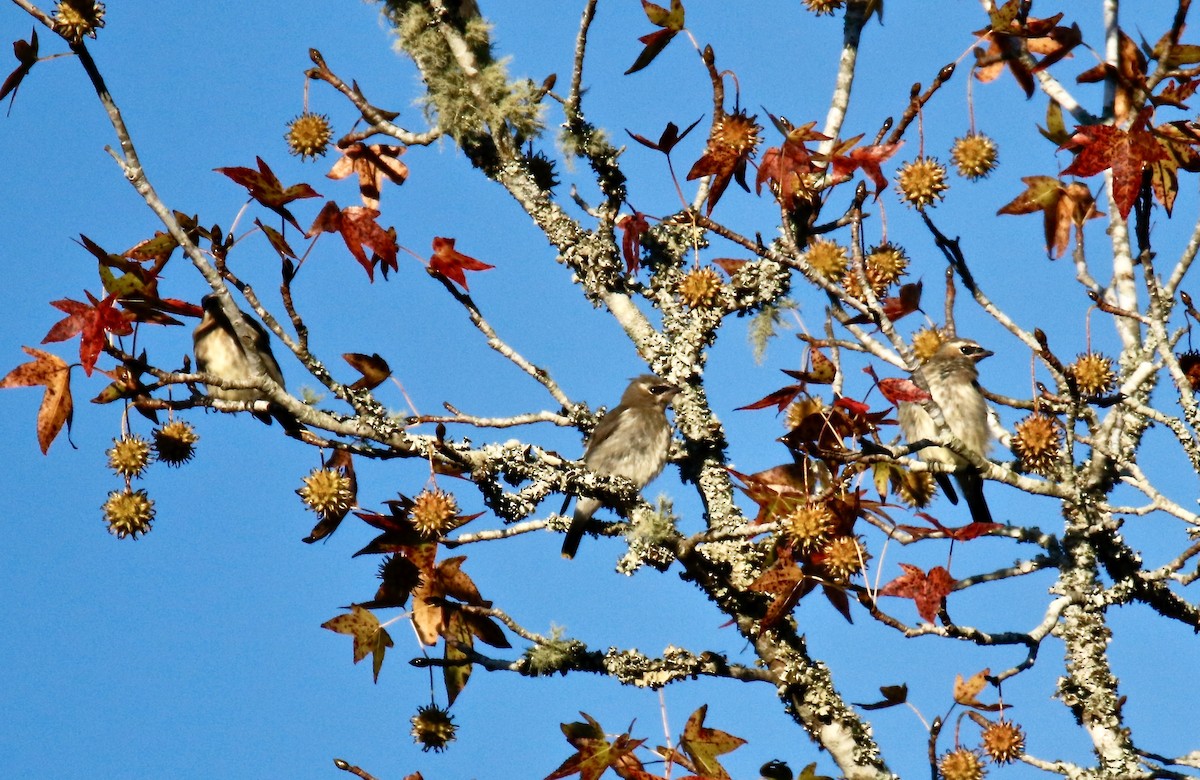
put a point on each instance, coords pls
(631, 441)
(951, 376)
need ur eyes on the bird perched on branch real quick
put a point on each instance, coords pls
(951, 376)
(220, 352)
(631, 441)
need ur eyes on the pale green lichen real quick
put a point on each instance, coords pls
(468, 92)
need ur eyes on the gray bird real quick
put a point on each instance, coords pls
(219, 352)
(631, 441)
(952, 378)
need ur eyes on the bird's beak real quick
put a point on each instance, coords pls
(987, 353)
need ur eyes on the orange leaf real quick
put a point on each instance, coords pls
(373, 164)
(450, 263)
(52, 372)
(360, 231)
(370, 638)
(703, 745)
(926, 590)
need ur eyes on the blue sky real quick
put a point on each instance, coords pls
(197, 651)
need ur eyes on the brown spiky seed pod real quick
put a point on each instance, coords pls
(974, 156)
(922, 182)
(845, 556)
(926, 341)
(1037, 440)
(1003, 742)
(823, 7)
(308, 135)
(129, 456)
(128, 513)
(433, 511)
(915, 488)
(433, 728)
(1093, 373)
(734, 136)
(73, 19)
(1190, 363)
(961, 764)
(327, 492)
(827, 258)
(799, 411)
(808, 526)
(700, 288)
(175, 443)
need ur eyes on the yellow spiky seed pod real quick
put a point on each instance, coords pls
(433, 728)
(1003, 742)
(922, 182)
(808, 526)
(1037, 440)
(327, 492)
(308, 135)
(974, 156)
(886, 264)
(433, 511)
(915, 488)
(128, 513)
(129, 456)
(926, 341)
(961, 764)
(73, 19)
(1093, 373)
(175, 443)
(823, 7)
(845, 556)
(700, 288)
(798, 411)
(827, 258)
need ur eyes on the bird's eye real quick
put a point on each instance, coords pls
(659, 389)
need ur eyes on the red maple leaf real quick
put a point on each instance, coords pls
(359, 229)
(372, 164)
(1126, 152)
(451, 263)
(866, 158)
(670, 20)
(94, 320)
(632, 227)
(926, 590)
(788, 167)
(264, 187)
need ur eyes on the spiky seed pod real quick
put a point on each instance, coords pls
(974, 156)
(961, 764)
(1037, 440)
(541, 168)
(700, 288)
(823, 7)
(827, 258)
(809, 526)
(799, 411)
(432, 512)
(128, 513)
(1003, 742)
(433, 728)
(73, 19)
(1190, 363)
(1093, 373)
(926, 341)
(845, 556)
(308, 135)
(886, 264)
(326, 492)
(922, 182)
(883, 265)
(175, 443)
(129, 456)
(915, 488)
(734, 136)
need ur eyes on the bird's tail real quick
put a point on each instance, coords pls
(583, 513)
(972, 490)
